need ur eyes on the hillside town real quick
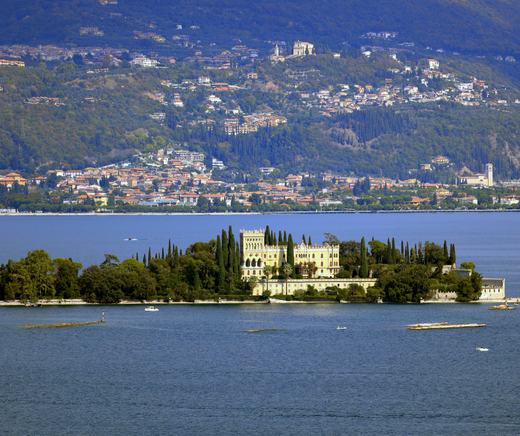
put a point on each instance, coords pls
(431, 80)
(178, 176)
(179, 180)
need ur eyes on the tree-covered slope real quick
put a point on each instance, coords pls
(65, 116)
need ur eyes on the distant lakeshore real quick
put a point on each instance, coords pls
(315, 212)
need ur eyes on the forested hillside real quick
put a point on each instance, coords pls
(382, 112)
(59, 115)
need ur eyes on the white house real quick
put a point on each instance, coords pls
(143, 62)
(434, 65)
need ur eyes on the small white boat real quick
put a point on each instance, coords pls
(151, 309)
(275, 300)
(482, 349)
(341, 328)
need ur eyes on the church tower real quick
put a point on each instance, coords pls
(489, 174)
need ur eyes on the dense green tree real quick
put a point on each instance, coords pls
(40, 268)
(66, 278)
(102, 285)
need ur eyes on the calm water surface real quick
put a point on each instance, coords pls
(192, 370)
(490, 240)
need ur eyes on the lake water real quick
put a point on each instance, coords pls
(193, 370)
(490, 240)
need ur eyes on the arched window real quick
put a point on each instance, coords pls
(248, 272)
(259, 262)
(248, 263)
(321, 265)
(322, 257)
(275, 256)
(313, 255)
(253, 263)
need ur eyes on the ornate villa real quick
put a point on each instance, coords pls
(309, 260)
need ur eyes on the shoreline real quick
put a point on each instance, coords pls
(212, 302)
(315, 212)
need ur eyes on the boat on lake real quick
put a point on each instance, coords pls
(482, 349)
(275, 300)
(443, 325)
(427, 324)
(502, 307)
(151, 309)
(341, 328)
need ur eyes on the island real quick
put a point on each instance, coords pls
(260, 264)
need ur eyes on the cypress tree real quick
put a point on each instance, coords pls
(273, 238)
(420, 258)
(137, 256)
(407, 253)
(388, 252)
(267, 236)
(144, 259)
(453, 257)
(221, 272)
(303, 238)
(394, 253)
(363, 271)
(196, 281)
(285, 237)
(224, 247)
(237, 268)
(280, 240)
(162, 254)
(445, 252)
(149, 255)
(402, 248)
(218, 248)
(169, 248)
(231, 252)
(176, 257)
(290, 255)
(310, 242)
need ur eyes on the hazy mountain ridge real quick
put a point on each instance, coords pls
(487, 26)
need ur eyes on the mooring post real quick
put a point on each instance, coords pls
(103, 317)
